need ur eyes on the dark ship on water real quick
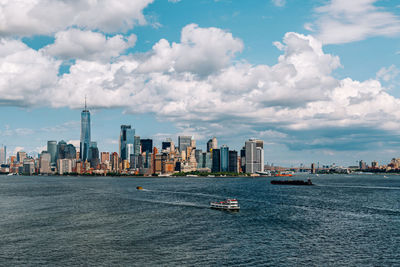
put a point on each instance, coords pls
(292, 182)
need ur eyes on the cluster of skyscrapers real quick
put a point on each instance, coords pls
(138, 156)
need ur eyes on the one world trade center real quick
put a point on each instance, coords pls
(85, 134)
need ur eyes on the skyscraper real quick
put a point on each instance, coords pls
(85, 134)
(216, 160)
(233, 160)
(184, 142)
(3, 155)
(254, 155)
(52, 149)
(147, 145)
(126, 137)
(224, 158)
(212, 144)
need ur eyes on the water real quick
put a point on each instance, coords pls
(63, 221)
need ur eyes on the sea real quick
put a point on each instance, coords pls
(344, 220)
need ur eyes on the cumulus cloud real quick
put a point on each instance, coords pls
(201, 50)
(26, 76)
(199, 86)
(343, 21)
(30, 17)
(88, 45)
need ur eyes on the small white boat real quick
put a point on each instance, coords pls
(229, 204)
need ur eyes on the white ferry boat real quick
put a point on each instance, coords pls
(229, 204)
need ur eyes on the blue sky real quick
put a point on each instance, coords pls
(318, 81)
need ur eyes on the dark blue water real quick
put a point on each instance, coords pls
(344, 220)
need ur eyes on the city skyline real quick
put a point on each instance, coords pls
(308, 85)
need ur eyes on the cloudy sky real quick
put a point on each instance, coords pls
(317, 80)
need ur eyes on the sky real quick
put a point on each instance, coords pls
(317, 80)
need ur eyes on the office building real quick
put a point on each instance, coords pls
(85, 134)
(21, 156)
(28, 166)
(65, 151)
(44, 162)
(136, 146)
(147, 145)
(254, 154)
(216, 160)
(224, 158)
(64, 166)
(127, 137)
(94, 155)
(115, 162)
(52, 149)
(184, 142)
(105, 157)
(233, 161)
(3, 155)
(212, 144)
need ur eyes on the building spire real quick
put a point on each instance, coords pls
(85, 104)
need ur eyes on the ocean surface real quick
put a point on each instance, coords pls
(351, 220)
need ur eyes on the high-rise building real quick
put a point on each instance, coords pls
(251, 156)
(114, 162)
(184, 142)
(243, 159)
(233, 160)
(64, 166)
(224, 158)
(105, 156)
(21, 156)
(52, 149)
(126, 137)
(212, 144)
(313, 171)
(94, 155)
(167, 144)
(85, 134)
(44, 162)
(254, 155)
(147, 145)
(136, 145)
(65, 151)
(3, 155)
(216, 160)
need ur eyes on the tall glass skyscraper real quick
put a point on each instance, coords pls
(224, 158)
(85, 134)
(52, 149)
(127, 137)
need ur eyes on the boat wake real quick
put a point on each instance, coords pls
(184, 193)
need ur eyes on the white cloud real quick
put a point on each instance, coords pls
(343, 21)
(30, 17)
(78, 44)
(388, 74)
(26, 75)
(201, 50)
(208, 92)
(279, 3)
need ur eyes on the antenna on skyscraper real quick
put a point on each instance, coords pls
(85, 103)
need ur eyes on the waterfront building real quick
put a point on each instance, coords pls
(212, 144)
(52, 149)
(374, 164)
(233, 161)
(104, 157)
(28, 166)
(115, 162)
(21, 156)
(251, 156)
(3, 155)
(147, 145)
(126, 138)
(260, 159)
(64, 166)
(216, 160)
(85, 134)
(184, 142)
(243, 159)
(44, 162)
(93, 158)
(65, 151)
(224, 158)
(363, 165)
